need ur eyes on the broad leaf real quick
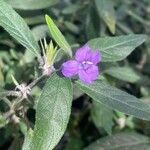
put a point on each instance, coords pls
(123, 73)
(117, 48)
(102, 116)
(31, 4)
(52, 114)
(57, 36)
(121, 141)
(116, 99)
(17, 28)
(107, 13)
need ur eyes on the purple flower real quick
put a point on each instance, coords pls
(84, 64)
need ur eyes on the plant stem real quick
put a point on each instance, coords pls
(32, 84)
(10, 93)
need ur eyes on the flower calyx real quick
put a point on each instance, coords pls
(49, 54)
(23, 88)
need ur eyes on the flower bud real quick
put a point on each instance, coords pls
(49, 54)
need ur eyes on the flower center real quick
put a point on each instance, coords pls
(85, 65)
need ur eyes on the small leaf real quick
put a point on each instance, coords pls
(50, 53)
(117, 48)
(121, 141)
(107, 13)
(116, 99)
(17, 28)
(52, 115)
(123, 73)
(31, 4)
(102, 116)
(57, 36)
(27, 140)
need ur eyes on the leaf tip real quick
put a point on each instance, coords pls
(48, 19)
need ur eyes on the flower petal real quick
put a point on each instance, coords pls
(70, 68)
(95, 57)
(81, 53)
(89, 75)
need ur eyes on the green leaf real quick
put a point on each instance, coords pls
(27, 140)
(92, 25)
(3, 121)
(117, 48)
(123, 73)
(116, 99)
(107, 13)
(31, 4)
(35, 20)
(52, 115)
(71, 9)
(1, 78)
(71, 27)
(39, 32)
(102, 116)
(57, 36)
(74, 143)
(121, 141)
(17, 28)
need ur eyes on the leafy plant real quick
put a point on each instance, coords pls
(52, 90)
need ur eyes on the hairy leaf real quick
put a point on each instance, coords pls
(117, 48)
(53, 111)
(123, 73)
(17, 28)
(116, 99)
(27, 140)
(121, 141)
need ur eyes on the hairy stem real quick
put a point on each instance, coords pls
(32, 84)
